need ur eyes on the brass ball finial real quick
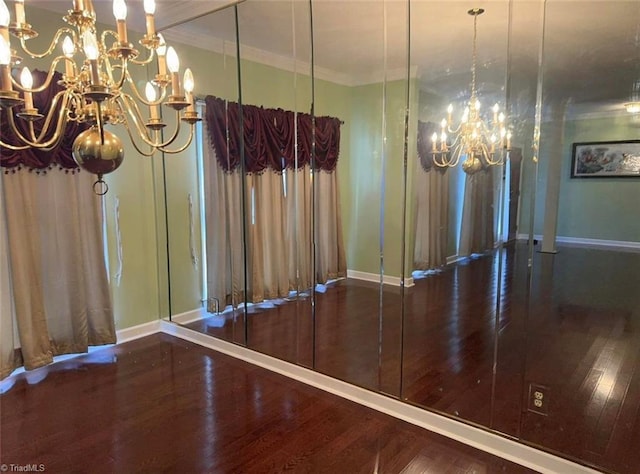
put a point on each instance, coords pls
(96, 153)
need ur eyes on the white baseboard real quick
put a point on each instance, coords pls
(136, 332)
(583, 242)
(375, 277)
(478, 438)
(122, 336)
(189, 316)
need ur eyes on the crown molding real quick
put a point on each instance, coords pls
(201, 40)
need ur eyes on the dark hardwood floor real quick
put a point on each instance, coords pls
(571, 326)
(161, 404)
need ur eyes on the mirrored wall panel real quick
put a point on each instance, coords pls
(582, 384)
(433, 200)
(279, 176)
(458, 210)
(361, 77)
(204, 195)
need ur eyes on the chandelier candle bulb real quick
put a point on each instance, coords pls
(20, 16)
(173, 63)
(91, 52)
(120, 13)
(150, 92)
(68, 49)
(162, 56)
(4, 21)
(5, 66)
(189, 85)
(26, 79)
(149, 10)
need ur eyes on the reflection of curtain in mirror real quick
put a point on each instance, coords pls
(59, 281)
(331, 262)
(432, 206)
(279, 184)
(223, 217)
(298, 228)
(268, 256)
(477, 232)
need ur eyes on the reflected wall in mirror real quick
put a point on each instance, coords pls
(361, 67)
(443, 297)
(583, 331)
(279, 176)
(203, 208)
(465, 175)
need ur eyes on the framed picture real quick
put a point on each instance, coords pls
(606, 159)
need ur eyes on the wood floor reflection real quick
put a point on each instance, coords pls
(572, 328)
(161, 404)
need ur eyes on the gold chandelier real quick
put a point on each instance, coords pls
(481, 143)
(97, 90)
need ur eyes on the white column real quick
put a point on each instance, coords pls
(553, 144)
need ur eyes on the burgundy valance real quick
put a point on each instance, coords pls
(34, 158)
(269, 137)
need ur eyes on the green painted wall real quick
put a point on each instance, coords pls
(371, 158)
(141, 183)
(396, 106)
(588, 208)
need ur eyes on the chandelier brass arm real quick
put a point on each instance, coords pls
(183, 147)
(144, 62)
(143, 100)
(47, 82)
(54, 42)
(136, 118)
(36, 142)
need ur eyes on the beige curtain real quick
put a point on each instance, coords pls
(298, 229)
(331, 262)
(432, 218)
(59, 282)
(278, 232)
(9, 341)
(268, 255)
(477, 233)
(224, 224)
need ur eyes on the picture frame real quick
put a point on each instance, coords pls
(612, 159)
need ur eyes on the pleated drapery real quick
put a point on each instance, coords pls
(278, 200)
(269, 137)
(477, 231)
(431, 186)
(57, 273)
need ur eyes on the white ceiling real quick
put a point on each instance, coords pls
(591, 48)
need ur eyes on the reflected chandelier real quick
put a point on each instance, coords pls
(98, 90)
(480, 142)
